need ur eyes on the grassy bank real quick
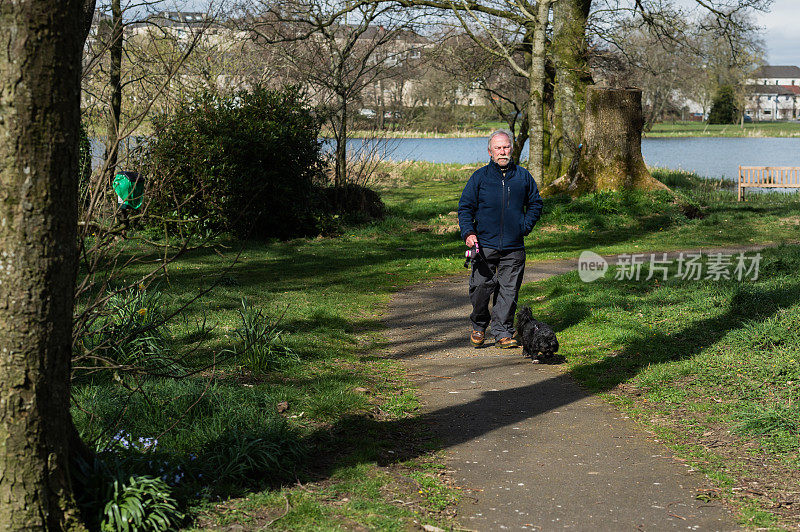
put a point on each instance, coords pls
(664, 129)
(319, 430)
(699, 129)
(702, 213)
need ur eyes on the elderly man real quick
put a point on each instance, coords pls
(499, 206)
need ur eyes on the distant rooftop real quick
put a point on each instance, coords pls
(778, 90)
(182, 17)
(786, 71)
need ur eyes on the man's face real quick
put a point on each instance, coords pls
(500, 150)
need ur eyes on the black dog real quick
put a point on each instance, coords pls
(538, 339)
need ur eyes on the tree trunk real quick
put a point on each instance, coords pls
(537, 78)
(340, 171)
(572, 78)
(520, 138)
(115, 85)
(39, 125)
(611, 150)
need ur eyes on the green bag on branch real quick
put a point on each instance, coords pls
(129, 187)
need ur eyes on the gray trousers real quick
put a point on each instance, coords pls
(496, 274)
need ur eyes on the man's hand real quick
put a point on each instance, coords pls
(471, 241)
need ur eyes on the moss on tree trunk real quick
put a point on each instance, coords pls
(572, 76)
(611, 150)
(537, 78)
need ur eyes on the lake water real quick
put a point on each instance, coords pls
(708, 157)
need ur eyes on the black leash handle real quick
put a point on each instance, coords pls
(472, 254)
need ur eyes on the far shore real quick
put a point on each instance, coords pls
(662, 130)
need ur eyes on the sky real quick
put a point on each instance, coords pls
(782, 32)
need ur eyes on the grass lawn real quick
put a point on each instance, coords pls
(699, 129)
(319, 409)
(317, 430)
(712, 367)
(706, 214)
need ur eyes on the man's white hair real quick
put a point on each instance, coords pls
(505, 132)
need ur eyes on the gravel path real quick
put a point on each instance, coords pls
(529, 448)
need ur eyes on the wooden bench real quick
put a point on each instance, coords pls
(768, 177)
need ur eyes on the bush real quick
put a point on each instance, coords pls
(141, 503)
(724, 109)
(244, 163)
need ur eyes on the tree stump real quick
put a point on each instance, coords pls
(610, 155)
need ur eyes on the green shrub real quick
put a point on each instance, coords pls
(724, 109)
(113, 500)
(141, 503)
(244, 163)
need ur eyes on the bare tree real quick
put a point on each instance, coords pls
(159, 69)
(730, 52)
(136, 56)
(40, 74)
(472, 69)
(700, 57)
(228, 60)
(517, 33)
(527, 23)
(337, 53)
(660, 68)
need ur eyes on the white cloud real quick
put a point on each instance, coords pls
(782, 32)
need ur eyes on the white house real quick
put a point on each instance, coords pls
(776, 75)
(774, 93)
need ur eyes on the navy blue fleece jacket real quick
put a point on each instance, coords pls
(499, 209)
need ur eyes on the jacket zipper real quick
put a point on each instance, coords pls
(502, 210)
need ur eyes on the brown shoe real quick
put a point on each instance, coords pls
(506, 343)
(477, 338)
